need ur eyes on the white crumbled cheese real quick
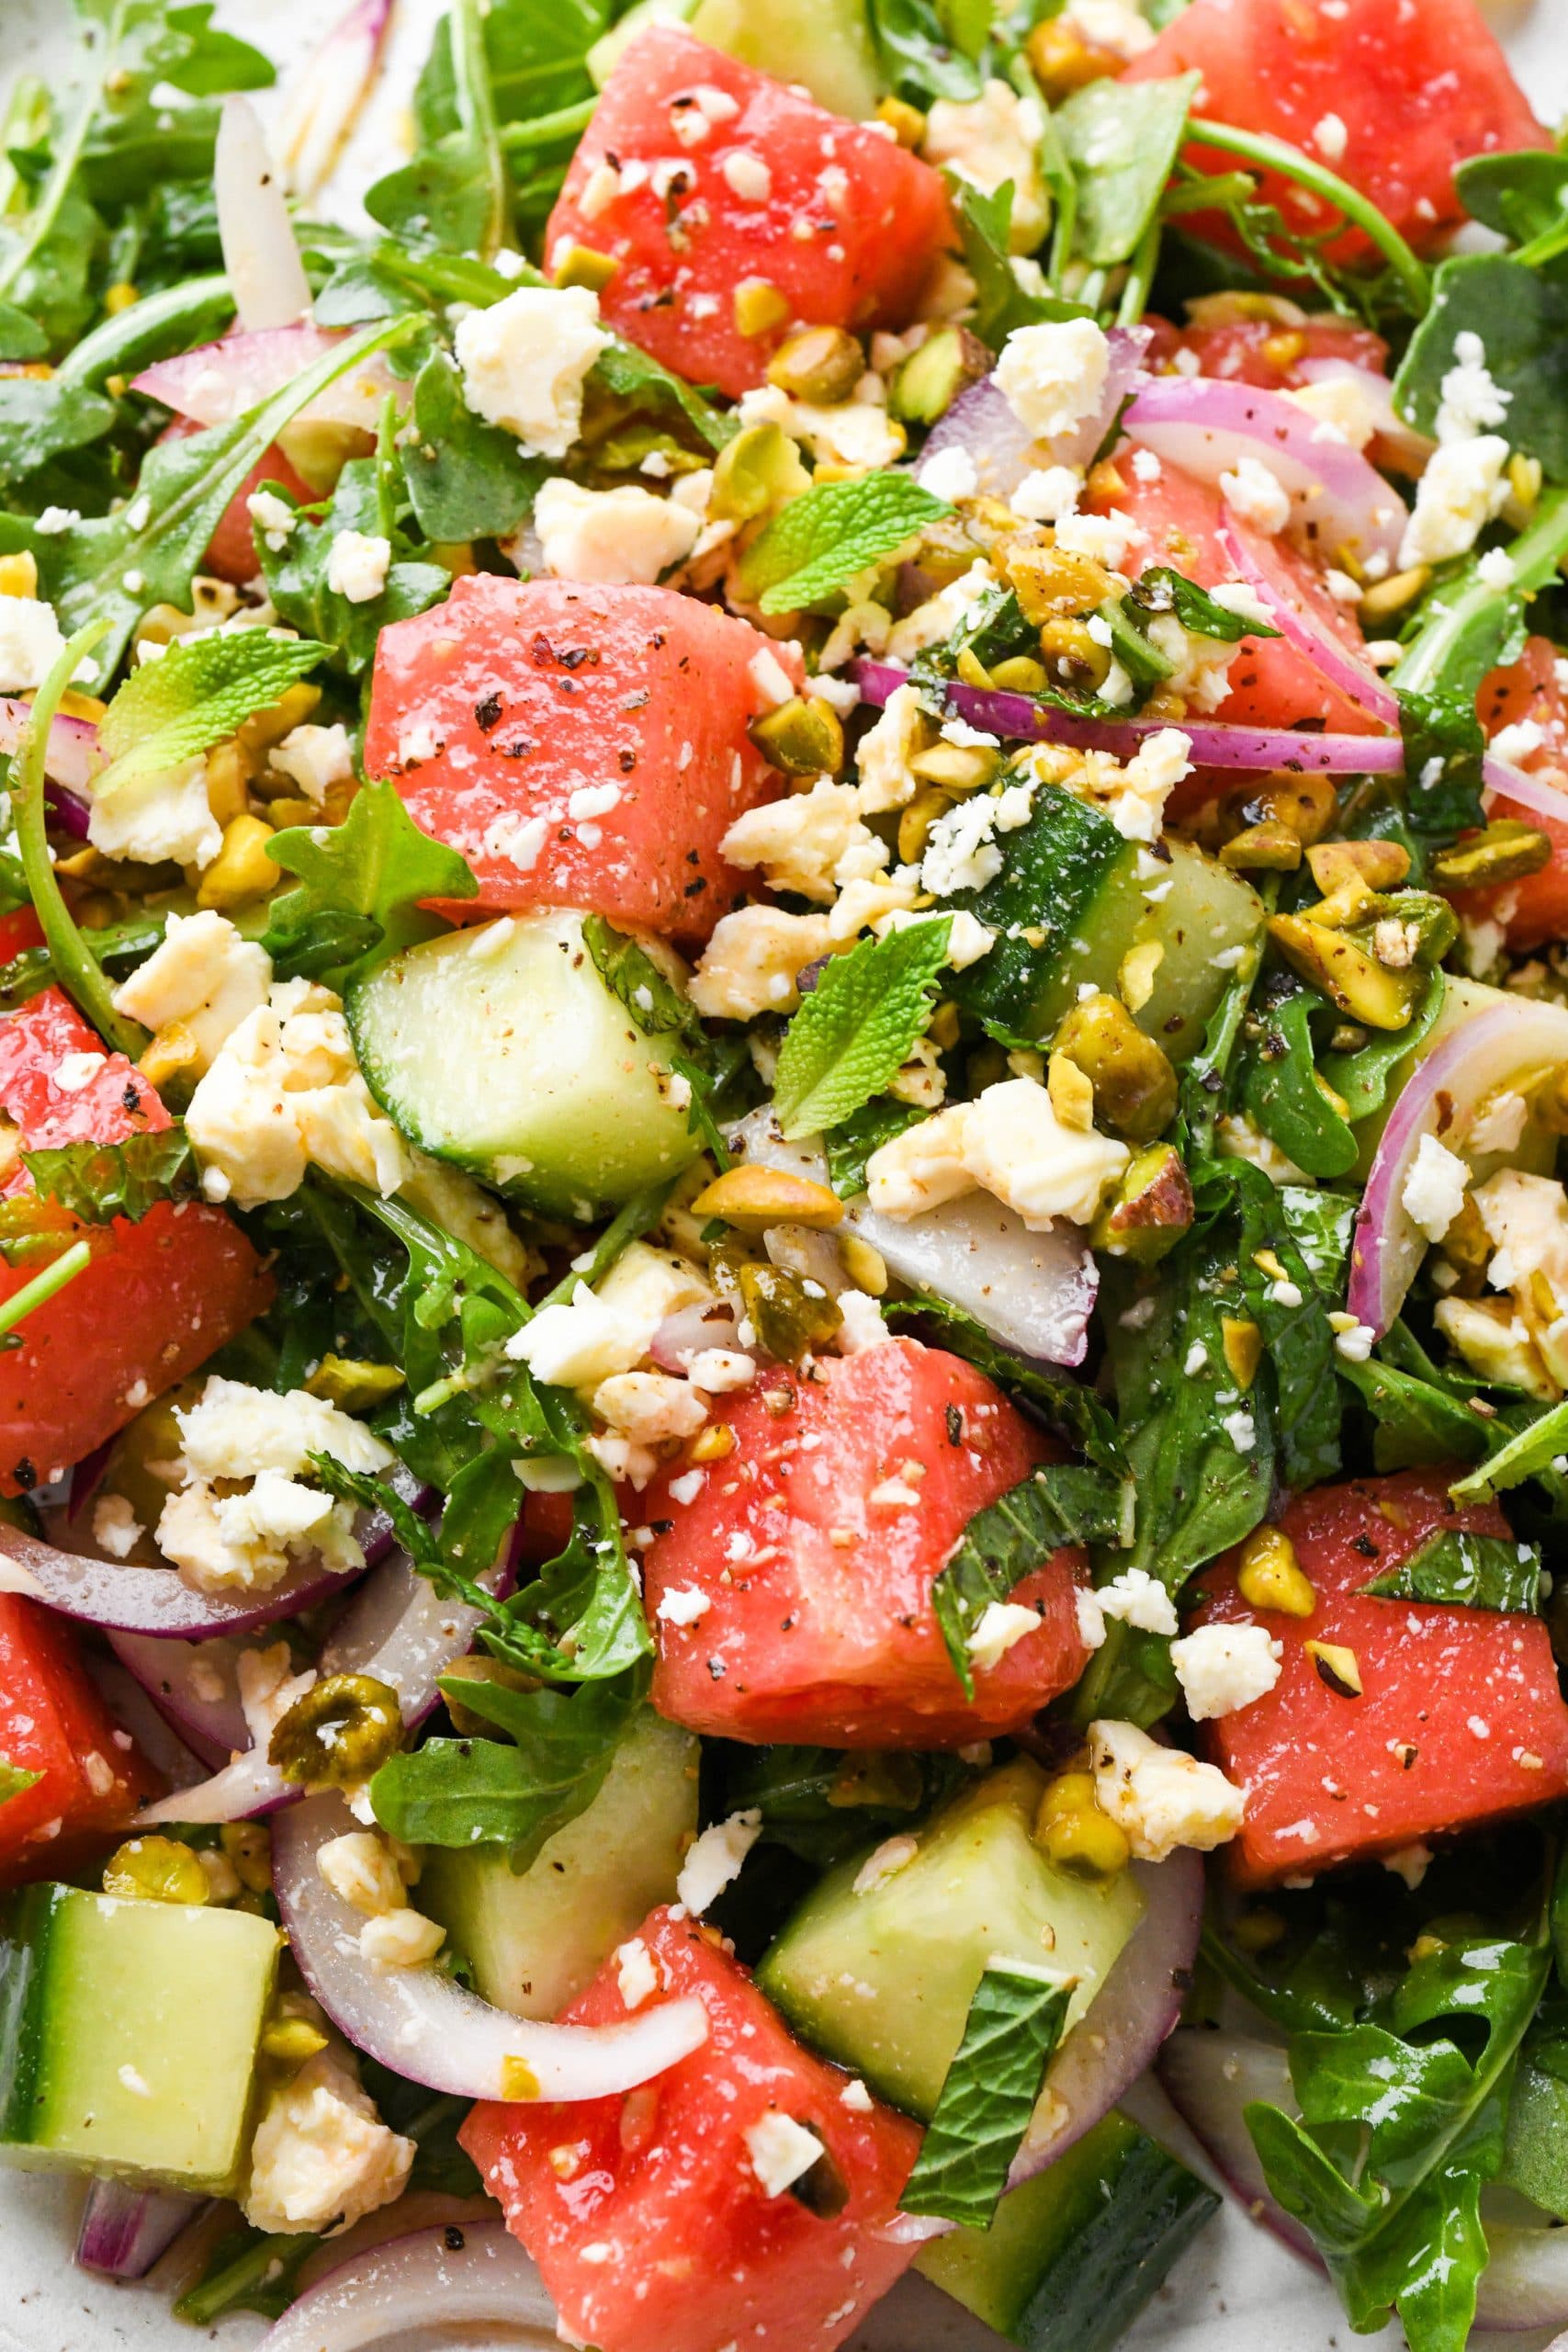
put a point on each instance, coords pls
(753, 961)
(357, 564)
(1000, 1625)
(232, 1430)
(1016, 1147)
(1104, 538)
(782, 2151)
(1053, 375)
(359, 1869)
(1222, 1667)
(856, 2097)
(747, 175)
(887, 779)
(1136, 805)
(967, 940)
(284, 1090)
(203, 974)
(1434, 1188)
(893, 1855)
(401, 1939)
(116, 1529)
(1515, 742)
(154, 818)
(273, 517)
(1470, 402)
(990, 139)
(1236, 596)
(1241, 1429)
(1409, 1862)
(961, 853)
(1049, 495)
(30, 643)
(1353, 1341)
(951, 474)
(920, 1169)
(1497, 571)
(525, 361)
(636, 1972)
(848, 432)
(1238, 1138)
(716, 1859)
(1340, 405)
(74, 1072)
(683, 1604)
(929, 623)
(315, 758)
(1256, 495)
(1330, 138)
(1138, 1600)
(621, 537)
(863, 1326)
(321, 2156)
(1091, 1616)
(1161, 1797)
(649, 1407)
(717, 1371)
(581, 1342)
(811, 843)
(1464, 487)
(1110, 25)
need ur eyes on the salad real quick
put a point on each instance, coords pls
(783, 1289)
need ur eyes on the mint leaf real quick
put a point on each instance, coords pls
(1014, 2024)
(372, 870)
(100, 1182)
(14, 1778)
(857, 1028)
(1161, 590)
(1466, 1571)
(197, 694)
(1064, 1503)
(825, 537)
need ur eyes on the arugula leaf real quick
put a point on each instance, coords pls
(833, 531)
(644, 384)
(467, 480)
(1004, 302)
(1068, 1407)
(119, 946)
(1363, 1078)
(1121, 141)
(198, 693)
(851, 1143)
(1062, 1503)
(822, 1804)
(1467, 627)
(297, 572)
(371, 873)
(14, 1778)
(662, 1011)
(1161, 590)
(515, 1793)
(1524, 1453)
(1467, 1572)
(1522, 315)
(920, 57)
(1417, 1419)
(1308, 1233)
(1278, 1087)
(456, 192)
(989, 2092)
(248, 2270)
(100, 1182)
(1444, 746)
(858, 1026)
(44, 420)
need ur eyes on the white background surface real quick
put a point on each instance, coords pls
(1235, 2290)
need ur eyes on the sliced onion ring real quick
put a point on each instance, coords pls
(425, 2026)
(1211, 2078)
(125, 2231)
(72, 757)
(158, 1601)
(261, 258)
(475, 2275)
(1019, 718)
(178, 1678)
(1496, 1046)
(327, 92)
(981, 422)
(222, 380)
(1204, 424)
(1536, 792)
(1328, 655)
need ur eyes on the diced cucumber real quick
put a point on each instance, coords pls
(1073, 2256)
(882, 1980)
(605, 54)
(534, 1939)
(1072, 903)
(824, 44)
(128, 2036)
(502, 1050)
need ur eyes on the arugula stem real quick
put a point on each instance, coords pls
(476, 113)
(79, 972)
(54, 1277)
(564, 123)
(26, 123)
(1278, 155)
(40, 220)
(1535, 556)
(1135, 298)
(629, 1225)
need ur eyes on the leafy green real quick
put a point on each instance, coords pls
(248, 2270)
(1524, 1453)
(851, 1143)
(1418, 1419)
(296, 574)
(47, 419)
(456, 193)
(100, 1182)
(989, 2092)
(467, 480)
(823, 1804)
(1466, 1571)
(1523, 195)
(823, 538)
(361, 883)
(14, 1778)
(198, 693)
(1443, 750)
(516, 1792)
(858, 1026)
(1068, 1407)
(644, 385)
(1521, 316)
(1004, 302)
(1278, 1088)
(1466, 627)
(662, 1011)
(1062, 1503)
(1121, 141)
(918, 53)
(1161, 590)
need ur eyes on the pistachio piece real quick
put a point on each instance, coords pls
(1150, 1210)
(802, 737)
(1505, 852)
(754, 1198)
(1342, 970)
(1134, 1085)
(344, 1728)
(820, 364)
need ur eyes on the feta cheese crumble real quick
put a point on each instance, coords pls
(526, 359)
(1222, 1667)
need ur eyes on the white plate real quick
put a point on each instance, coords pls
(1235, 2290)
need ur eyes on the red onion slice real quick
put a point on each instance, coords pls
(125, 2231)
(1204, 424)
(1401, 446)
(471, 2275)
(425, 2025)
(1538, 794)
(261, 258)
(1212, 2076)
(1019, 718)
(140, 1721)
(1302, 628)
(72, 757)
(690, 1329)
(981, 422)
(1525, 2283)
(1033, 1292)
(193, 1686)
(158, 1601)
(222, 380)
(329, 91)
(1484, 1055)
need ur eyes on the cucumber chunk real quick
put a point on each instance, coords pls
(534, 1939)
(882, 1980)
(503, 1050)
(1073, 2256)
(824, 44)
(1071, 903)
(128, 2036)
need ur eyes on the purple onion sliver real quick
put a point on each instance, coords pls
(1536, 792)
(427, 2282)
(125, 2231)
(131, 1599)
(1332, 660)
(1211, 2076)
(86, 1476)
(69, 810)
(72, 757)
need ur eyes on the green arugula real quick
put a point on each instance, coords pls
(516, 1792)
(361, 886)
(1405, 272)
(15, 1780)
(1062, 1503)
(1466, 1571)
(119, 946)
(456, 193)
(988, 2095)
(1466, 627)
(364, 499)
(823, 1804)
(1003, 301)
(1278, 1086)
(1523, 195)
(97, 1182)
(1161, 590)
(851, 1143)
(921, 52)
(823, 538)
(858, 1026)
(466, 479)
(639, 385)
(662, 1011)
(42, 420)
(248, 2270)
(1067, 1406)
(1121, 141)
(198, 693)
(1363, 1077)
(1521, 316)
(1419, 1414)
(1524, 1454)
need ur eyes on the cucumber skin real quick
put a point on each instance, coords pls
(26, 1924)
(1107, 2222)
